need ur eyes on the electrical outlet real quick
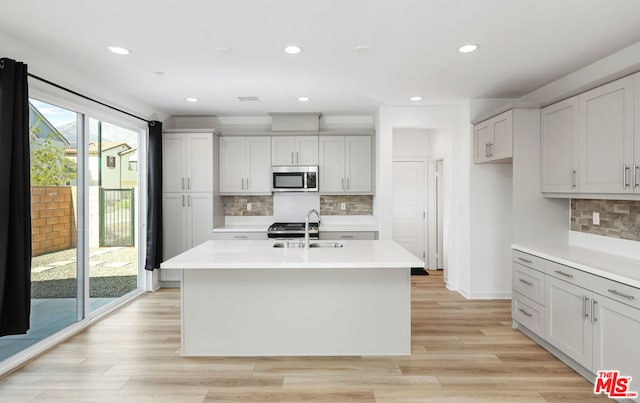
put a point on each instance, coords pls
(248, 206)
(343, 206)
(596, 218)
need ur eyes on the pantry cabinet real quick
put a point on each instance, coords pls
(345, 164)
(294, 150)
(245, 165)
(494, 138)
(187, 162)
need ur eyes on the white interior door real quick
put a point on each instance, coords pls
(409, 206)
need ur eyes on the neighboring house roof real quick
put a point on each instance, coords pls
(93, 147)
(125, 152)
(45, 129)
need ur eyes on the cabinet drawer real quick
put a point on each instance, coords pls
(337, 235)
(569, 274)
(528, 260)
(617, 291)
(528, 282)
(221, 236)
(528, 313)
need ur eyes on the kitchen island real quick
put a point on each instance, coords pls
(249, 298)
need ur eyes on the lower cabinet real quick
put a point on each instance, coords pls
(592, 320)
(221, 236)
(187, 222)
(347, 235)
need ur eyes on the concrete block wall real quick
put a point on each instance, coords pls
(53, 222)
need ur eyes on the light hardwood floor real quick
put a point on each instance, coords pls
(463, 351)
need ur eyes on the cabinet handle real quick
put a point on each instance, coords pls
(525, 260)
(189, 200)
(636, 175)
(594, 319)
(182, 183)
(248, 184)
(585, 302)
(567, 275)
(182, 200)
(490, 149)
(525, 312)
(346, 236)
(529, 283)
(573, 179)
(625, 169)
(486, 150)
(240, 237)
(621, 294)
(242, 181)
(348, 187)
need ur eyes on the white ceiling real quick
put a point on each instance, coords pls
(524, 44)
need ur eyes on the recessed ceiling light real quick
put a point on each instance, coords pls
(293, 49)
(191, 99)
(362, 49)
(303, 99)
(224, 50)
(159, 73)
(468, 48)
(119, 50)
(416, 98)
(249, 99)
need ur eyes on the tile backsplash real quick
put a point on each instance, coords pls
(237, 205)
(355, 205)
(618, 218)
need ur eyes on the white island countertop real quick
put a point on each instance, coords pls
(260, 254)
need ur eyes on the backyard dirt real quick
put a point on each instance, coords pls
(113, 273)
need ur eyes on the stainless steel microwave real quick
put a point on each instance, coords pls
(294, 179)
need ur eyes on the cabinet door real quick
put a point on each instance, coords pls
(358, 164)
(568, 320)
(258, 160)
(174, 216)
(200, 162)
(559, 140)
(282, 150)
(232, 165)
(200, 207)
(615, 339)
(606, 138)
(174, 155)
(331, 154)
(306, 150)
(502, 127)
(483, 136)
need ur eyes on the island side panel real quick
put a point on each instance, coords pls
(275, 312)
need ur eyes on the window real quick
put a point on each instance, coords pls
(111, 161)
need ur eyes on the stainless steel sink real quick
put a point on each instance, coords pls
(300, 244)
(326, 245)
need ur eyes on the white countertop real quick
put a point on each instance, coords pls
(243, 254)
(242, 228)
(614, 267)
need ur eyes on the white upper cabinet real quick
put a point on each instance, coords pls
(345, 164)
(294, 150)
(559, 152)
(245, 165)
(494, 139)
(606, 138)
(187, 162)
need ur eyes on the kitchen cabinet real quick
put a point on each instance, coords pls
(606, 138)
(559, 142)
(217, 236)
(245, 165)
(347, 235)
(590, 319)
(345, 164)
(493, 139)
(294, 150)
(187, 162)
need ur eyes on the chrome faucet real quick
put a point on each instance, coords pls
(306, 226)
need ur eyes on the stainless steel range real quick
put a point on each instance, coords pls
(287, 230)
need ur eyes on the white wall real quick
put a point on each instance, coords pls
(454, 120)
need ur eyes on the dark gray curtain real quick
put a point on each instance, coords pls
(15, 199)
(154, 197)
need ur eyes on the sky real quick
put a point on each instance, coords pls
(54, 114)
